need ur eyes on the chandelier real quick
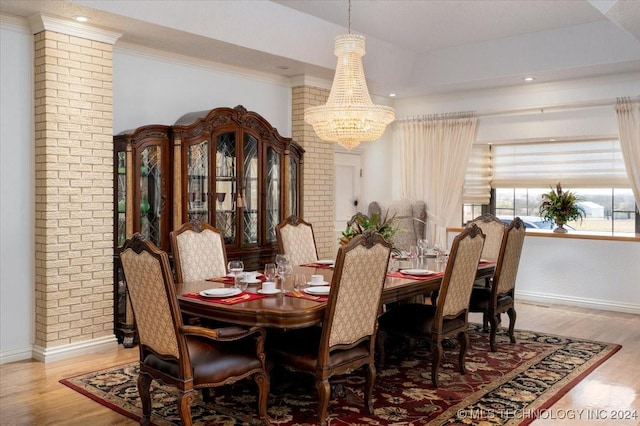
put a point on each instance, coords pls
(349, 117)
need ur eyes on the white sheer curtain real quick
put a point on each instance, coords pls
(628, 113)
(434, 152)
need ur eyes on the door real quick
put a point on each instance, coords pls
(346, 189)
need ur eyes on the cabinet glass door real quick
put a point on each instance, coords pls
(226, 186)
(151, 194)
(251, 190)
(121, 196)
(293, 187)
(272, 171)
(198, 182)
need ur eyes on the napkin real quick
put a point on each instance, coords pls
(302, 295)
(398, 274)
(318, 265)
(240, 298)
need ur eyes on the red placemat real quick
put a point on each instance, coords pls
(398, 274)
(318, 265)
(231, 280)
(240, 298)
(301, 295)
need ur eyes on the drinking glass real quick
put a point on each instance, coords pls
(270, 271)
(299, 282)
(284, 271)
(281, 258)
(235, 268)
(412, 255)
(423, 245)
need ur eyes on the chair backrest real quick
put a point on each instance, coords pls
(296, 240)
(493, 229)
(356, 290)
(406, 212)
(460, 273)
(504, 279)
(153, 300)
(198, 252)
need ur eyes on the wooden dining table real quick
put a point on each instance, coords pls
(287, 312)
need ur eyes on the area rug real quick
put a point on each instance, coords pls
(511, 386)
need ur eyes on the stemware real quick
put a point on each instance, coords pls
(284, 271)
(299, 282)
(281, 258)
(236, 267)
(423, 245)
(412, 255)
(270, 271)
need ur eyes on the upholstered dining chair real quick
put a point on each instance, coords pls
(500, 297)
(296, 240)
(346, 340)
(449, 316)
(493, 229)
(198, 252)
(187, 357)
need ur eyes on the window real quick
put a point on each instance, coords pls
(519, 173)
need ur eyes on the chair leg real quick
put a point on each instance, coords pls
(144, 385)
(485, 322)
(262, 380)
(436, 353)
(370, 378)
(512, 322)
(381, 339)
(324, 392)
(493, 319)
(185, 398)
(463, 339)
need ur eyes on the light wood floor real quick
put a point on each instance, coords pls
(31, 395)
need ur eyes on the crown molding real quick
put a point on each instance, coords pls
(305, 80)
(39, 23)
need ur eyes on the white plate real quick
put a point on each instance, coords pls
(325, 283)
(320, 290)
(325, 262)
(220, 292)
(417, 271)
(274, 291)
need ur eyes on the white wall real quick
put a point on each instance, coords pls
(152, 87)
(16, 192)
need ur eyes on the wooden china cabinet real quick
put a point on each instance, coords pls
(226, 166)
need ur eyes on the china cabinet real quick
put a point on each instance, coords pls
(227, 166)
(142, 191)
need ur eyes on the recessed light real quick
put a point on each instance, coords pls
(529, 79)
(392, 95)
(81, 19)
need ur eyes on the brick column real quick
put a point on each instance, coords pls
(318, 177)
(73, 187)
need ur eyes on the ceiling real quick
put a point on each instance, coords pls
(414, 47)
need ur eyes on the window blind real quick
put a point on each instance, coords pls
(477, 179)
(592, 164)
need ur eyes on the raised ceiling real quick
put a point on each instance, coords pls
(413, 47)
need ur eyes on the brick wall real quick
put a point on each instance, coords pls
(318, 169)
(73, 189)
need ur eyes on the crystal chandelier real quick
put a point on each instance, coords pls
(349, 117)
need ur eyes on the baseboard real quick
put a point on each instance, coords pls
(73, 349)
(19, 354)
(605, 305)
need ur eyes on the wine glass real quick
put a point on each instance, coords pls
(412, 255)
(270, 271)
(235, 268)
(299, 282)
(281, 258)
(284, 271)
(423, 245)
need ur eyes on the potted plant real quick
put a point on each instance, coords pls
(560, 207)
(362, 223)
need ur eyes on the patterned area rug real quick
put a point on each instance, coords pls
(510, 387)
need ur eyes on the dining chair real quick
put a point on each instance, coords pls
(346, 339)
(295, 239)
(493, 229)
(198, 252)
(449, 316)
(500, 297)
(187, 357)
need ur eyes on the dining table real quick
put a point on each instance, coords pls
(289, 309)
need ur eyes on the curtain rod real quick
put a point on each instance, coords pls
(542, 109)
